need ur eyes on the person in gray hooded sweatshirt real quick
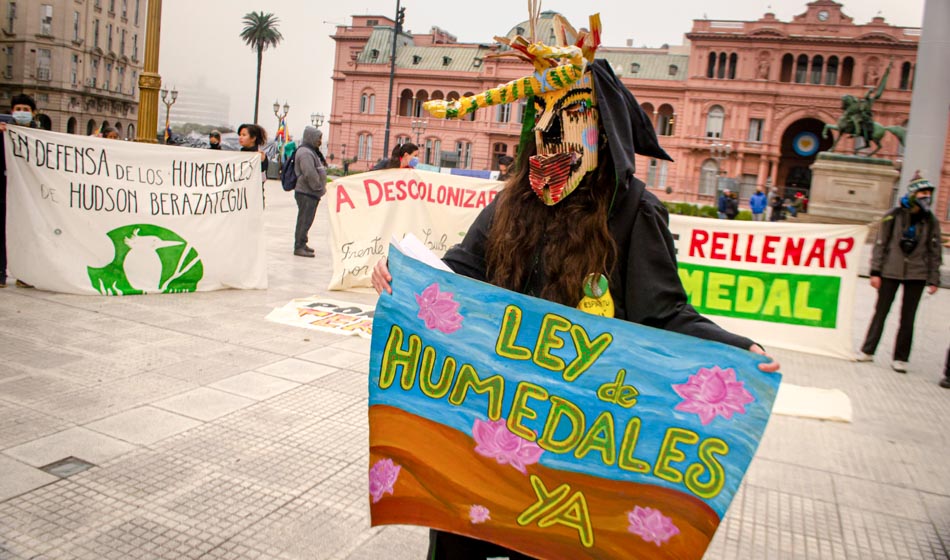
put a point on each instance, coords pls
(311, 169)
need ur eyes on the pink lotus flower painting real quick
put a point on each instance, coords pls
(382, 478)
(439, 310)
(651, 525)
(478, 514)
(713, 392)
(496, 441)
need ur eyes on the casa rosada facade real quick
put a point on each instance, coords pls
(741, 105)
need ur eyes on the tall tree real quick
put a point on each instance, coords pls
(259, 33)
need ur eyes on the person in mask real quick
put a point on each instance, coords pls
(214, 140)
(404, 156)
(906, 253)
(573, 219)
(22, 111)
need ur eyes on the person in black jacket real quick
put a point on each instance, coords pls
(22, 112)
(575, 213)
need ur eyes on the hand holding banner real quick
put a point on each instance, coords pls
(551, 431)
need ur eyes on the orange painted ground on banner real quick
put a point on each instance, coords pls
(442, 476)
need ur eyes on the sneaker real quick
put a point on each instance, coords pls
(862, 357)
(303, 253)
(945, 382)
(899, 366)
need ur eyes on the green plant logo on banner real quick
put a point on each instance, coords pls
(149, 259)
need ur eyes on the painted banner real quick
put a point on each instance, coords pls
(782, 284)
(367, 209)
(326, 315)
(94, 216)
(551, 431)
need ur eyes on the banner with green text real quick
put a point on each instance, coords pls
(367, 209)
(94, 216)
(782, 284)
(554, 432)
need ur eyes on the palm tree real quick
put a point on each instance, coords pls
(260, 31)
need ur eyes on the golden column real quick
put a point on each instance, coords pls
(150, 82)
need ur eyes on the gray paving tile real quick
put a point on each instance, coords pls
(301, 371)
(84, 444)
(203, 403)
(335, 357)
(19, 478)
(143, 426)
(254, 385)
(881, 498)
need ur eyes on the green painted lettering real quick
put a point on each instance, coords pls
(670, 454)
(601, 437)
(468, 379)
(520, 410)
(510, 325)
(708, 450)
(394, 357)
(587, 351)
(562, 408)
(548, 340)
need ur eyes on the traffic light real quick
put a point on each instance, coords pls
(400, 17)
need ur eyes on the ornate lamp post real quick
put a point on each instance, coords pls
(720, 151)
(419, 127)
(168, 101)
(280, 118)
(316, 119)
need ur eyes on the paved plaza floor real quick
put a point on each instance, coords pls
(216, 434)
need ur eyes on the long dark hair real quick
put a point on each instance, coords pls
(395, 159)
(570, 239)
(256, 132)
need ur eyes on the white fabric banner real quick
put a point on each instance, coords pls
(367, 209)
(789, 285)
(93, 216)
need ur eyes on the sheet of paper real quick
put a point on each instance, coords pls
(411, 246)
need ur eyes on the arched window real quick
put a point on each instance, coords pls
(421, 97)
(847, 71)
(650, 112)
(44, 121)
(714, 121)
(71, 125)
(708, 174)
(651, 173)
(817, 67)
(118, 128)
(433, 151)
(831, 73)
(452, 96)
(905, 75)
(711, 66)
(498, 149)
(664, 120)
(405, 103)
(787, 62)
(437, 94)
(801, 69)
(364, 103)
(372, 104)
(130, 132)
(733, 61)
(721, 71)
(463, 154)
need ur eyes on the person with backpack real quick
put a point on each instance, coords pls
(309, 185)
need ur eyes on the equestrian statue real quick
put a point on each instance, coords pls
(857, 120)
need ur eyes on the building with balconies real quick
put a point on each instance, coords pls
(79, 59)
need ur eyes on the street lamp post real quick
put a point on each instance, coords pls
(280, 118)
(419, 127)
(168, 101)
(720, 151)
(316, 119)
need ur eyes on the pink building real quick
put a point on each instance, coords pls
(742, 104)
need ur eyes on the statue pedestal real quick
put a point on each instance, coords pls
(849, 189)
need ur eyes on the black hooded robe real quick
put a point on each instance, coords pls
(644, 284)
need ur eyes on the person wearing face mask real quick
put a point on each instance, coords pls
(22, 111)
(573, 223)
(214, 140)
(906, 253)
(404, 156)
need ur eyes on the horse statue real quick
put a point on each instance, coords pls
(858, 120)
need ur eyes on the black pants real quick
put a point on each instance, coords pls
(306, 211)
(913, 289)
(449, 546)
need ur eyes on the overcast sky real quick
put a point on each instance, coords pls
(200, 38)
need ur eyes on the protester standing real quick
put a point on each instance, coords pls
(311, 169)
(22, 112)
(723, 204)
(404, 156)
(757, 203)
(732, 205)
(252, 137)
(906, 253)
(214, 140)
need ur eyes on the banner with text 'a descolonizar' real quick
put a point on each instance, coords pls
(95, 216)
(551, 431)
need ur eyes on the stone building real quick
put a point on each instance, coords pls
(740, 104)
(79, 59)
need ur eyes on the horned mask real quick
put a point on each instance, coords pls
(566, 120)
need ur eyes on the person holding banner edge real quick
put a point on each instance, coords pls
(574, 225)
(22, 112)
